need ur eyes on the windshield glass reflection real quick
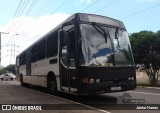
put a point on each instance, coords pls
(100, 47)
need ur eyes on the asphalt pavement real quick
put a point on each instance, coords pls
(21, 98)
(12, 93)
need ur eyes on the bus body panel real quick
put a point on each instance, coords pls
(39, 72)
(109, 77)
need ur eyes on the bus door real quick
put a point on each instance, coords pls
(68, 70)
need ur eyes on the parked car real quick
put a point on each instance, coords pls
(7, 76)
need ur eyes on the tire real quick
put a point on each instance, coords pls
(21, 80)
(1, 78)
(11, 78)
(52, 85)
(22, 83)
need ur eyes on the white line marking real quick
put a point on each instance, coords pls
(148, 87)
(153, 87)
(144, 93)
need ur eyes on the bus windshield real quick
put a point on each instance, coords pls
(104, 46)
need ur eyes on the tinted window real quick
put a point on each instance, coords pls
(41, 49)
(72, 48)
(52, 45)
(22, 59)
(34, 53)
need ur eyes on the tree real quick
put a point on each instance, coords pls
(10, 68)
(3, 71)
(146, 51)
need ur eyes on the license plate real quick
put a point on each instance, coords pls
(115, 88)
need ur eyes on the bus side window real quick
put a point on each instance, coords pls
(22, 59)
(52, 45)
(34, 53)
(71, 48)
(41, 49)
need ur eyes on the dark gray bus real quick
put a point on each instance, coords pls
(85, 54)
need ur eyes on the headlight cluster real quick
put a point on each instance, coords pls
(131, 78)
(92, 80)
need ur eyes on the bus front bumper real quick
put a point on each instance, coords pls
(110, 86)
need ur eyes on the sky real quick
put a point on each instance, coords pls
(28, 20)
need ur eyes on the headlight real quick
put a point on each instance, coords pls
(91, 80)
(129, 78)
(98, 80)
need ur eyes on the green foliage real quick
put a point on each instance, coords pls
(146, 51)
(3, 71)
(8, 69)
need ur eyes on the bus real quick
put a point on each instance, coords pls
(85, 54)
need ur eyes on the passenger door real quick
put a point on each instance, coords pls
(68, 76)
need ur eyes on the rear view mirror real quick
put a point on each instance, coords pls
(63, 38)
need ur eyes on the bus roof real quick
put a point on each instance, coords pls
(100, 19)
(84, 18)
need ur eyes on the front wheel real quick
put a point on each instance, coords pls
(52, 85)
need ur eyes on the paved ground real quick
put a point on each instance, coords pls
(12, 93)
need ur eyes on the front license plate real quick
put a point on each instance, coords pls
(115, 88)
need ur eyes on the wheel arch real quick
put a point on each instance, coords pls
(49, 75)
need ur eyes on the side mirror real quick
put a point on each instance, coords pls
(63, 38)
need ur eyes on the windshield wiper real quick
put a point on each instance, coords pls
(116, 36)
(100, 30)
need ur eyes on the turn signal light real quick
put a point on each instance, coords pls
(85, 80)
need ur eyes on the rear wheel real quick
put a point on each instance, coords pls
(22, 83)
(51, 84)
(1, 78)
(11, 78)
(21, 80)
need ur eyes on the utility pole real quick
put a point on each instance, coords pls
(12, 52)
(13, 49)
(0, 46)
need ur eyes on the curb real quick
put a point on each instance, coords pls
(149, 87)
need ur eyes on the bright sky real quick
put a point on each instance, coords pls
(31, 19)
